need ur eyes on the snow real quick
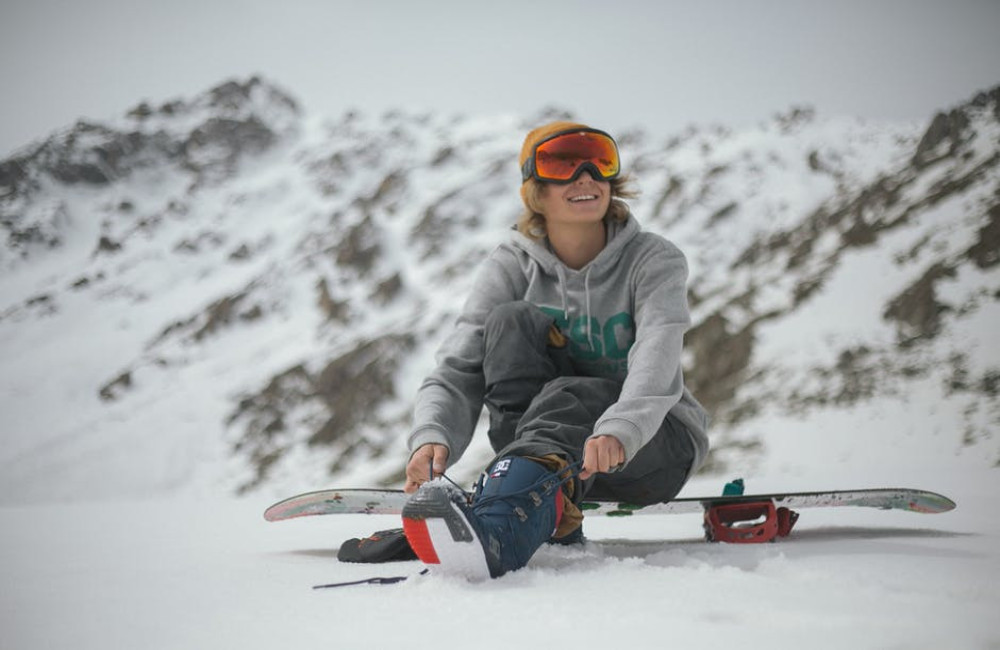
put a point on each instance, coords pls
(176, 565)
(176, 573)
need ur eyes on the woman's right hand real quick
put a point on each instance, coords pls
(426, 460)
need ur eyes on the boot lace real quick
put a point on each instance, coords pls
(548, 483)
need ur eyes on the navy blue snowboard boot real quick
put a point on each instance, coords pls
(514, 510)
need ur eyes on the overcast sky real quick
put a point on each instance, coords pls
(654, 64)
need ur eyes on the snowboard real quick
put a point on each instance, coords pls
(390, 502)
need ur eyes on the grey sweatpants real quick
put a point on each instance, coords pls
(539, 406)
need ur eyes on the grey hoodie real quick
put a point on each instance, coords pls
(624, 313)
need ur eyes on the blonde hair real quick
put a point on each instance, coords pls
(531, 223)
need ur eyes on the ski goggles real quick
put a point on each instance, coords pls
(562, 157)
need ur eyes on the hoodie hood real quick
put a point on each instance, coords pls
(620, 233)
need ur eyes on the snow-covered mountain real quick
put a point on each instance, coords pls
(229, 292)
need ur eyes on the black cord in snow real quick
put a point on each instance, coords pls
(368, 581)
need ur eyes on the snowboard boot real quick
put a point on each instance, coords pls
(381, 546)
(514, 510)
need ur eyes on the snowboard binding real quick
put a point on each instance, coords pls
(750, 522)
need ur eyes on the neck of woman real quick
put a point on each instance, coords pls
(577, 244)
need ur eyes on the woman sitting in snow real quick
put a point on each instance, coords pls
(572, 339)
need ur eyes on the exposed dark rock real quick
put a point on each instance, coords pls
(388, 190)
(349, 389)
(988, 99)
(107, 245)
(114, 388)
(723, 213)
(805, 289)
(14, 174)
(336, 311)
(213, 149)
(814, 161)
(795, 117)
(225, 312)
(951, 185)
(264, 419)
(946, 133)
(42, 228)
(329, 172)
(354, 384)
(241, 253)
(917, 311)
(141, 112)
(43, 299)
(989, 384)
(861, 233)
(720, 361)
(801, 243)
(433, 230)
(857, 381)
(443, 155)
(267, 408)
(235, 95)
(985, 253)
(388, 289)
(360, 248)
(672, 190)
(194, 244)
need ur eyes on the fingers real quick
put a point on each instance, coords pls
(440, 459)
(601, 455)
(425, 461)
(416, 469)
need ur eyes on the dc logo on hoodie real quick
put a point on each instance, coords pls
(591, 340)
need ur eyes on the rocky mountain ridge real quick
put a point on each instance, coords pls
(229, 291)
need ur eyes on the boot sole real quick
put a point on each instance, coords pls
(442, 537)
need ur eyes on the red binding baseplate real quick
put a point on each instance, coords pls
(748, 523)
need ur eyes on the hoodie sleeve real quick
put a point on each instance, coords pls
(654, 383)
(450, 399)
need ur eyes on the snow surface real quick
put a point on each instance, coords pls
(174, 573)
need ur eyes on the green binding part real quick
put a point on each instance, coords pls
(734, 488)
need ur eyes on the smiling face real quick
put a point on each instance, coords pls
(584, 201)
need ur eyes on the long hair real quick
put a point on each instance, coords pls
(531, 223)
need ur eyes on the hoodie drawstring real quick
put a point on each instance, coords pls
(562, 288)
(561, 273)
(586, 293)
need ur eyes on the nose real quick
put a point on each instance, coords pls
(588, 168)
(588, 173)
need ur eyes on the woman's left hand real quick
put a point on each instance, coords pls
(601, 455)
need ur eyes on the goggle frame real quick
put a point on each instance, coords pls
(530, 170)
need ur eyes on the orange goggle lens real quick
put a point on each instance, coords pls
(562, 157)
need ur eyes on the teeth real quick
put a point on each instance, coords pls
(584, 197)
